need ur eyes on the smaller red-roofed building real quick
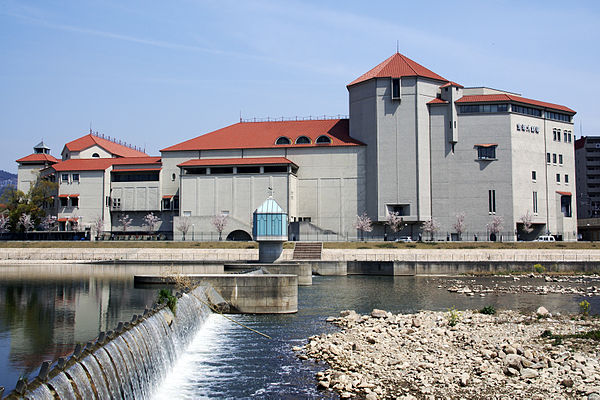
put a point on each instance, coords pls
(30, 166)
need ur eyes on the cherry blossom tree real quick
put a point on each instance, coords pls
(431, 226)
(125, 222)
(459, 225)
(48, 223)
(98, 226)
(4, 223)
(496, 225)
(363, 224)
(151, 221)
(184, 225)
(220, 222)
(527, 221)
(26, 222)
(395, 221)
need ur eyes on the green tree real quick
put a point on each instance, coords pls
(15, 203)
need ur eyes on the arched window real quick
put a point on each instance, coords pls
(283, 140)
(323, 139)
(302, 140)
(96, 155)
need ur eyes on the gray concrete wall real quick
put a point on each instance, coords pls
(248, 294)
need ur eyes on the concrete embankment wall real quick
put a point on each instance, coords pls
(126, 363)
(302, 269)
(245, 293)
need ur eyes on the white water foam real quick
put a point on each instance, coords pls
(183, 381)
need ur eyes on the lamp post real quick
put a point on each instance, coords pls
(193, 230)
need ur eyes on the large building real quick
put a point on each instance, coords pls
(587, 165)
(415, 143)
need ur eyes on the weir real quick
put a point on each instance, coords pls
(129, 362)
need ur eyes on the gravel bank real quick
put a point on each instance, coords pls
(419, 356)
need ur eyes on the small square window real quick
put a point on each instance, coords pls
(64, 177)
(74, 201)
(486, 152)
(64, 201)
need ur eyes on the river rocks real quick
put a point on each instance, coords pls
(542, 312)
(502, 356)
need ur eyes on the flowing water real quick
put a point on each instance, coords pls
(41, 319)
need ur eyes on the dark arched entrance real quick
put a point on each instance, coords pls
(239, 236)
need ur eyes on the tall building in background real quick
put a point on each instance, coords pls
(587, 161)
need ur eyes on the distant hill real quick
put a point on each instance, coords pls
(6, 179)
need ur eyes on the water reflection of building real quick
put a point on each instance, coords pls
(45, 319)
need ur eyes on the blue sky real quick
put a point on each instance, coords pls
(155, 73)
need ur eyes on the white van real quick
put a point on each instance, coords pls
(545, 238)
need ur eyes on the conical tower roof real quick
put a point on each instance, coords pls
(41, 146)
(398, 66)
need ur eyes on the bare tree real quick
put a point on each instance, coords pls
(184, 225)
(395, 221)
(125, 222)
(363, 224)
(459, 225)
(220, 222)
(527, 221)
(26, 222)
(431, 226)
(4, 221)
(48, 223)
(151, 221)
(98, 226)
(496, 225)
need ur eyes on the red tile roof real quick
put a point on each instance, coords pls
(260, 135)
(208, 162)
(38, 158)
(90, 140)
(397, 66)
(508, 97)
(564, 193)
(100, 164)
(437, 101)
(451, 84)
(486, 145)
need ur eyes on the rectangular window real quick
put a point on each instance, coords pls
(175, 203)
(64, 201)
(64, 177)
(565, 205)
(566, 178)
(395, 88)
(560, 158)
(554, 158)
(107, 201)
(535, 206)
(533, 175)
(569, 137)
(116, 203)
(558, 178)
(526, 110)
(74, 201)
(486, 153)
(484, 108)
(558, 135)
(491, 201)
(565, 136)
(75, 178)
(547, 157)
(554, 134)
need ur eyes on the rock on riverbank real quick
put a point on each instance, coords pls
(500, 356)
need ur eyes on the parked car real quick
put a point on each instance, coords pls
(545, 238)
(405, 239)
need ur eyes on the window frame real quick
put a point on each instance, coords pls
(289, 141)
(303, 137)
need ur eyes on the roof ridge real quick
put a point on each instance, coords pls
(407, 63)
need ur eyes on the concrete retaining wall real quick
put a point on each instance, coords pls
(329, 268)
(247, 294)
(300, 269)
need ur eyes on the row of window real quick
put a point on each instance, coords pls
(553, 158)
(558, 178)
(283, 140)
(138, 177)
(558, 116)
(567, 136)
(565, 203)
(69, 178)
(69, 201)
(482, 108)
(526, 110)
(238, 170)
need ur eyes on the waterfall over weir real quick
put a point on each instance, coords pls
(128, 363)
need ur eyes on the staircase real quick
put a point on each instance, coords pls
(307, 251)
